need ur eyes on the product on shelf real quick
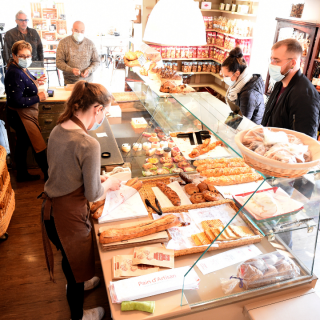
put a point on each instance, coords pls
(164, 52)
(209, 37)
(206, 22)
(204, 66)
(211, 52)
(194, 66)
(210, 22)
(178, 52)
(220, 40)
(199, 66)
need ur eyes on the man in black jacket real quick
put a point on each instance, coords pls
(294, 102)
(22, 32)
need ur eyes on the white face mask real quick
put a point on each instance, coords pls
(25, 63)
(228, 80)
(78, 36)
(275, 72)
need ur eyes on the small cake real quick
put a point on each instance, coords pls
(153, 139)
(146, 134)
(163, 144)
(159, 152)
(155, 145)
(153, 134)
(126, 147)
(146, 146)
(137, 146)
(150, 152)
(171, 144)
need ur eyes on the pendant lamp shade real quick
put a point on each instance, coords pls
(176, 23)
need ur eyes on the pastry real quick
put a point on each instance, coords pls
(148, 166)
(152, 160)
(146, 134)
(171, 144)
(187, 169)
(175, 153)
(153, 139)
(165, 138)
(213, 161)
(218, 172)
(159, 152)
(271, 271)
(242, 231)
(168, 165)
(139, 230)
(183, 164)
(249, 273)
(137, 146)
(221, 165)
(146, 146)
(98, 213)
(197, 198)
(176, 170)
(185, 177)
(202, 186)
(284, 267)
(150, 152)
(196, 240)
(230, 180)
(204, 148)
(131, 182)
(210, 196)
(165, 160)
(155, 145)
(163, 144)
(163, 171)
(154, 134)
(215, 223)
(137, 185)
(150, 172)
(126, 147)
(179, 158)
(191, 189)
(172, 195)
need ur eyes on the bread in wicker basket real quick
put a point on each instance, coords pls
(276, 168)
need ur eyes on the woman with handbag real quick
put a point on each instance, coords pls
(74, 179)
(23, 108)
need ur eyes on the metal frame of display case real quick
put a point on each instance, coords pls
(211, 113)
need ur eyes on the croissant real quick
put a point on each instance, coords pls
(213, 161)
(217, 172)
(133, 63)
(230, 180)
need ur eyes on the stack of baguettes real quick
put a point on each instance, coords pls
(225, 171)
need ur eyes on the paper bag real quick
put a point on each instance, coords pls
(155, 256)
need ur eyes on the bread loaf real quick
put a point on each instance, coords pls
(137, 185)
(234, 179)
(97, 214)
(131, 182)
(213, 161)
(139, 230)
(172, 195)
(96, 205)
(218, 172)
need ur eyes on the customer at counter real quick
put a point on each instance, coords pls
(77, 56)
(74, 179)
(294, 102)
(22, 32)
(22, 110)
(245, 90)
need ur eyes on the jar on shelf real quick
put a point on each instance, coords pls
(297, 7)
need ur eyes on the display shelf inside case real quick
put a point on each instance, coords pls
(290, 241)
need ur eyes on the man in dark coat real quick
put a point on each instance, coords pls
(294, 102)
(22, 32)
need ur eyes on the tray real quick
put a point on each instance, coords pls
(257, 218)
(147, 193)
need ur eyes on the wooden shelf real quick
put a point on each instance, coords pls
(230, 35)
(215, 87)
(213, 74)
(235, 13)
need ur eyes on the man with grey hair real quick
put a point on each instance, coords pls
(22, 32)
(77, 56)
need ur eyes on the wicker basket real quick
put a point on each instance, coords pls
(276, 168)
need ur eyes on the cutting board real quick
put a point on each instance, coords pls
(145, 240)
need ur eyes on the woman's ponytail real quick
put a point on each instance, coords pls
(235, 61)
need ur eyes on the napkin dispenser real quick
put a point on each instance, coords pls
(123, 174)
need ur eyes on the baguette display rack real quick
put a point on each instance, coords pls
(147, 193)
(7, 196)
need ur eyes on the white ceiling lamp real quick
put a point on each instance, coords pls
(176, 23)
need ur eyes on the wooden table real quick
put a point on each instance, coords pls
(168, 304)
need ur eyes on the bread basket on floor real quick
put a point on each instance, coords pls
(276, 168)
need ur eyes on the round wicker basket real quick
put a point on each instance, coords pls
(276, 168)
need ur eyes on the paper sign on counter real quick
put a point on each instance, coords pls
(228, 258)
(101, 134)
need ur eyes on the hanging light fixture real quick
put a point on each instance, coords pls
(176, 23)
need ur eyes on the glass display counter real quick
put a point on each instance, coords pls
(290, 233)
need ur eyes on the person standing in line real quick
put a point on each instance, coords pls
(23, 32)
(77, 56)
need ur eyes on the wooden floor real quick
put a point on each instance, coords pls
(25, 289)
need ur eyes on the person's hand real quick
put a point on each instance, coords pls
(42, 80)
(103, 178)
(85, 73)
(43, 96)
(76, 71)
(113, 183)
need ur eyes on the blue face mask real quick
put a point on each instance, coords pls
(25, 63)
(275, 72)
(96, 125)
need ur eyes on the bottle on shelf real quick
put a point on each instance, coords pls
(315, 76)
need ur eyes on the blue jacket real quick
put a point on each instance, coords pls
(250, 99)
(20, 90)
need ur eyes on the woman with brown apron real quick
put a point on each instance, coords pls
(74, 179)
(22, 110)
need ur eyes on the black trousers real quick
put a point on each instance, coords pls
(75, 291)
(22, 145)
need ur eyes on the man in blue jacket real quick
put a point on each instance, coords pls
(294, 102)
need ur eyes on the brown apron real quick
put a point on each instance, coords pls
(71, 217)
(29, 118)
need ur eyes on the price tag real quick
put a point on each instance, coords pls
(142, 60)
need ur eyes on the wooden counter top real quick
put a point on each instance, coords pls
(60, 95)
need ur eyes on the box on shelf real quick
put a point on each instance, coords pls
(206, 5)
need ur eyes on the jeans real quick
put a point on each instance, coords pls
(75, 291)
(22, 145)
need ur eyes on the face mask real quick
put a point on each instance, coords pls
(78, 36)
(96, 125)
(275, 72)
(25, 63)
(228, 81)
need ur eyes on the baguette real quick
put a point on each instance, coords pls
(230, 180)
(96, 205)
(139, 230)
(218, 172)
(131, 182)
(137, 185)
(221, 165)
(213, 161)
(172, 195)
(97, 214)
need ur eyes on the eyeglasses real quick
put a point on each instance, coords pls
(23, 20)
(24, 57)
(277, 61)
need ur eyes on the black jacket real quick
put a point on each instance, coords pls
(15, 35)
(298, 107)
(250, 99)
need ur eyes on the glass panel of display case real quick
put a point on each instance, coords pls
(267, 244)
(215, 115)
